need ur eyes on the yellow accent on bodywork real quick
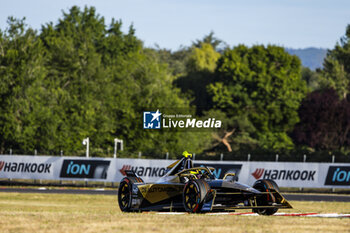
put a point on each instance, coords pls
(282, 200)
(173, 164)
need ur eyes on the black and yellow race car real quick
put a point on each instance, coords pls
(196, 190)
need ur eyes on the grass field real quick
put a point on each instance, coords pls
(100, 213)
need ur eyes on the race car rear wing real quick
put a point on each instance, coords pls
(130, 173)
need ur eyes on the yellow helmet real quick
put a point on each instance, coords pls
(186, 154)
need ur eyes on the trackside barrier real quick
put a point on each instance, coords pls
(286, 174)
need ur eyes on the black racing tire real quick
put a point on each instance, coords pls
(125, 192)
(265, 199)
(194, 194)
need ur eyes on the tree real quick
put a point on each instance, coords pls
(203, 58)
(76, 77)
(324, 121)
(200, 73)
(262, 87)
(175, 60)
(216, 43)
(312, 78)
(102, 80)
(336, 67)
(25, 119)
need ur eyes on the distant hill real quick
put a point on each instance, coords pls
(310, 57)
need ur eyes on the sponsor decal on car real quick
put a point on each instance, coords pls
(338, 175)
(79, 168)
(274, 174)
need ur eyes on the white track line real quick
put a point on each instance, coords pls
(328, 215)
(172, 213)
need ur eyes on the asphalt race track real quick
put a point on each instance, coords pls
(291, 197)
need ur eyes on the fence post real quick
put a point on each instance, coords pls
(140, 154)
(248, 157)
(333, 160)
(304, 160)
(10, 154)
(277, 157)
(222, 156)
(86, 142)
(167, 155)
(35, 153)
(116, 141)
(194, 156)
(61, 154)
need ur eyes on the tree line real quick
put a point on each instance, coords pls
(82, 77)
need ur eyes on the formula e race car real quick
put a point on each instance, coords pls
(196, 190)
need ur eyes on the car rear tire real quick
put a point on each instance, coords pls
(194, 195)
(268, 186)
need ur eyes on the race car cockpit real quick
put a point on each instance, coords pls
(184, 169)
(179, 165)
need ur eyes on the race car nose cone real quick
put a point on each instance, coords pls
(253, 190)
(237, 185)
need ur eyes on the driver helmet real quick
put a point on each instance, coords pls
(187, 162)
(186, 154)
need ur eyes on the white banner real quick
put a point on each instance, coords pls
(54, 167)
(302, 175)
(286, 174)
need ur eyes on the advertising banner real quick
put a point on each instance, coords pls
(29, 167)
(53, 168)
(298, 175)
(286, 174)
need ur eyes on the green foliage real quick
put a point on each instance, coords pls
(324, 122)
(334, 76)
(203, 59)
(81, 78)
(336, 71)
(215, 43)
(22, 109)
(312, 78)
(176, 60)
(199, 73)
(262, 86)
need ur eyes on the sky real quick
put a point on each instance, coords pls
(175, 23)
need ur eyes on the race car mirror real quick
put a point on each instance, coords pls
(229, 174)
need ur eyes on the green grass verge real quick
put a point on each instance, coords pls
(21, 212)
